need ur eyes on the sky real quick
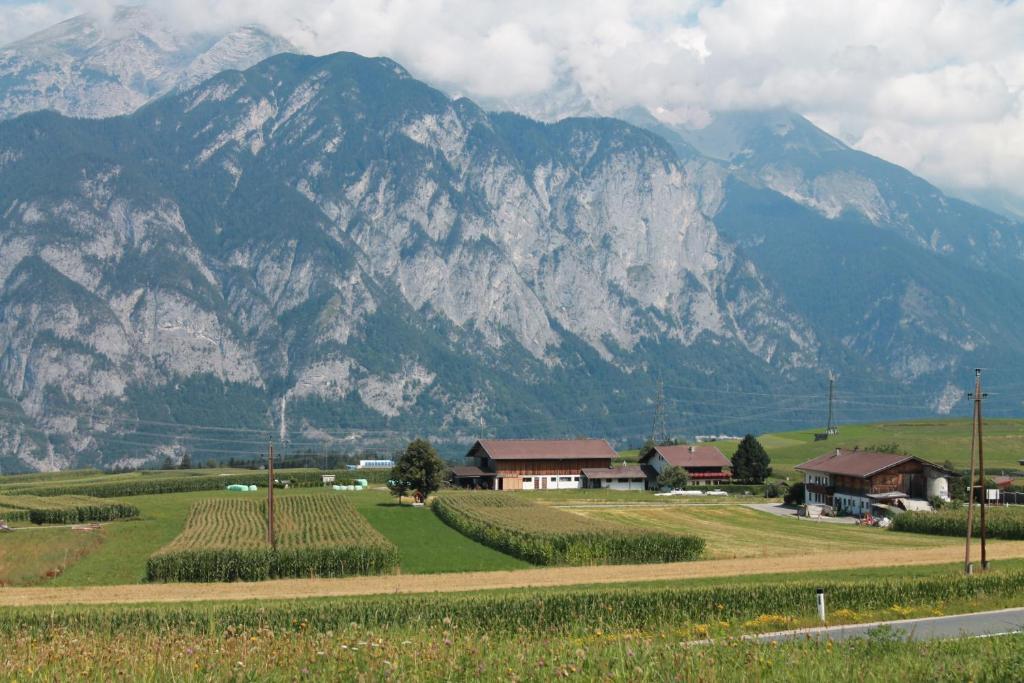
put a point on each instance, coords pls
(932, 85)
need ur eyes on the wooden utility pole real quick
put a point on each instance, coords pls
(970, 489)
(270, 496)
(978, 396)
(975, 485)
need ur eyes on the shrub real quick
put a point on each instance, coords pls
(796, 494)
(548, 536)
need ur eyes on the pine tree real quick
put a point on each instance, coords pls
(750, 462)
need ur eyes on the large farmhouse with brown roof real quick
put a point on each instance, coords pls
(854, 481)
(528, 464)
(705, 464)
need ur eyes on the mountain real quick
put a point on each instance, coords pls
(93, 66)
(880, 262)
(328, 248)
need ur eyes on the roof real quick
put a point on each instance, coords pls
(540, 449)
(691, 456)
(470, 471)
(629, 472)
(855, 463)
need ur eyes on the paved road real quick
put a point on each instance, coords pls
(998, 622)
(787, 511)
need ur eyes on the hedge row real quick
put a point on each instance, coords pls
(547, 536)
(139, 485)
(552, 611)
(1005, 523)
(63, 509)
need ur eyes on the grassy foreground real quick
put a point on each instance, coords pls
(638, 633)
(356, 654)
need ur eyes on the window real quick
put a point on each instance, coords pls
(527, 480)
(566, 478)
(575, 478)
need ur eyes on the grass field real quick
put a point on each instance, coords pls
(738, 531)
(418, 534)
(934, 440)
(37, 555)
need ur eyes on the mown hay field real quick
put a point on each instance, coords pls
(737, 531)
(548, 536)
(317, 536)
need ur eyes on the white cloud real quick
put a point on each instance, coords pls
(935, 85)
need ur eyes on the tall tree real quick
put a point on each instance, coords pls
(419, 469)
(673, 478)
(186, 462)
(750, 462)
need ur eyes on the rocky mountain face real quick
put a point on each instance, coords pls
(92, 66)
(915, 283)
(331, 249)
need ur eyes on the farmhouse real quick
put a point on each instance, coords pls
(631, 478)
(705, 464)
(528, 464)
(853, 481)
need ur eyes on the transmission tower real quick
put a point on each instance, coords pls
(832, 428)
(659, 432)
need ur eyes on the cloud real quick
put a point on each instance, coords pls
(935, 85)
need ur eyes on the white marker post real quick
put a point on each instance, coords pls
(821, 604)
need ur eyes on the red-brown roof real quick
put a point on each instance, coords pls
(692, 456)
(470, 471)
(539, 449)
(629, 472)
(858, 463)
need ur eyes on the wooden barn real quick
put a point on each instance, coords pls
(531, 464)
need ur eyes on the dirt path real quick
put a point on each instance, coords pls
(470, 581)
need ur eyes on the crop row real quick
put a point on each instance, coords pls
(555, 611)
(1005, 523)
(137, 484)
(548, 536)
(316, 536)
(63, 509)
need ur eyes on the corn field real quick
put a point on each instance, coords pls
(62, 509)
(317, 536)
(548, 536)
(1005, 523)
(562, 611)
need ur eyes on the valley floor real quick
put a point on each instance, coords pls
(835, 561)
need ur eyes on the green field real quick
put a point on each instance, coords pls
(934, 440)
(417, 532)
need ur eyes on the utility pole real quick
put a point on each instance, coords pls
(270, 496)
(975, 485)
(659, 432)
(978, 396)
(832, 429)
